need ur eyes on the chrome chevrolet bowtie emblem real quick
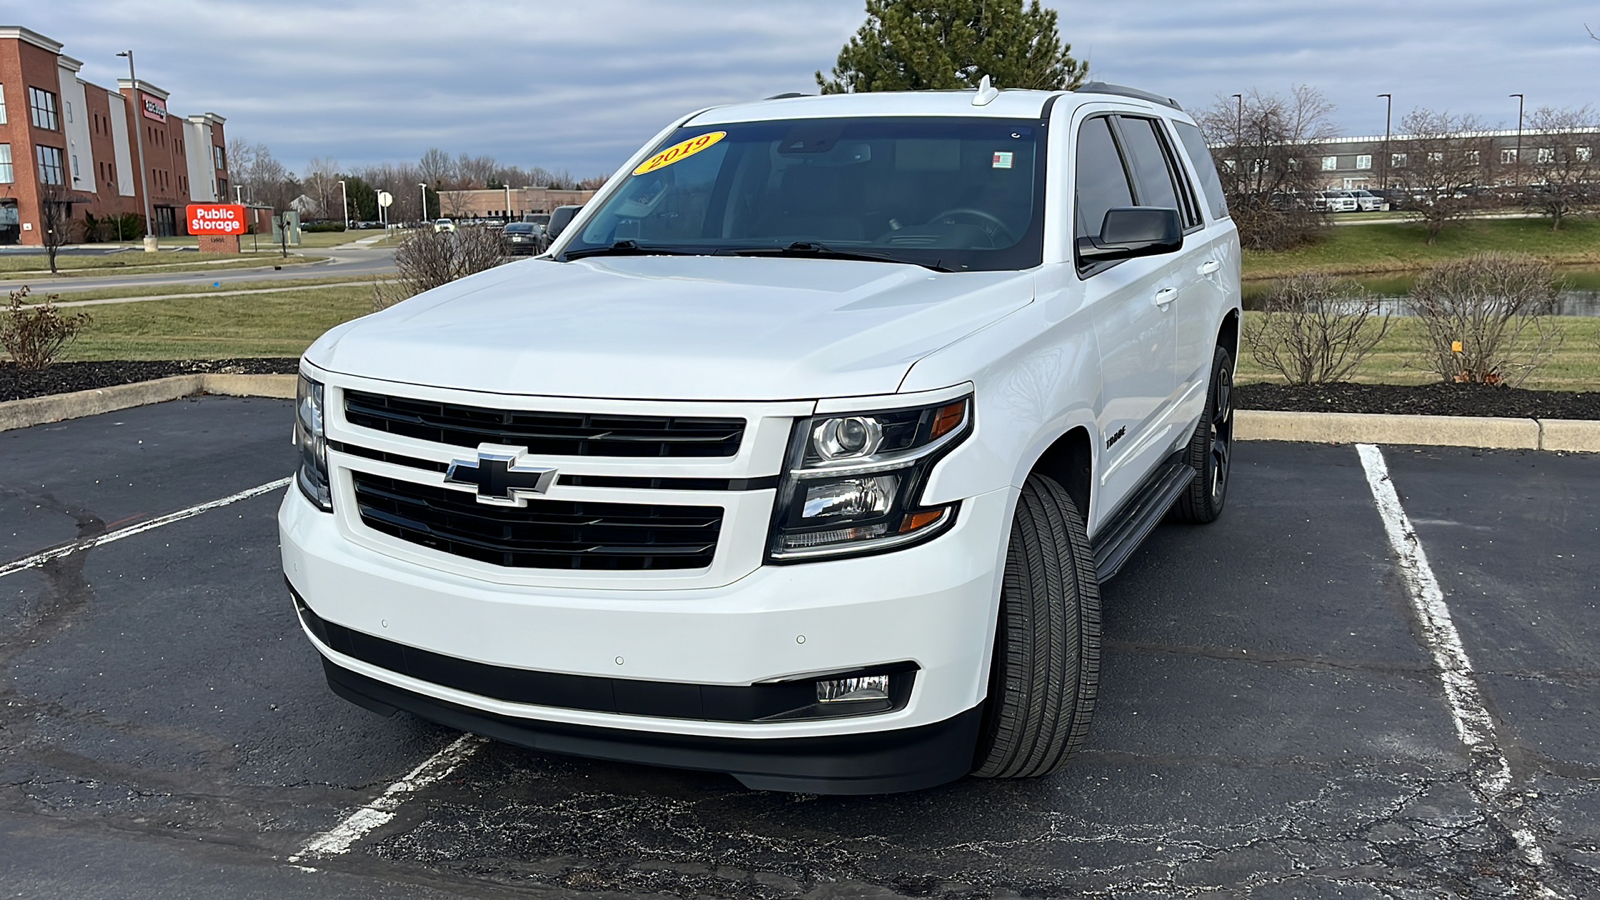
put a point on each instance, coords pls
(499, 478)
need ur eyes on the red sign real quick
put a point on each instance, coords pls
(215, 218)
(153, 108)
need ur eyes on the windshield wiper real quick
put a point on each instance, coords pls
(625, 248)
(823, 251)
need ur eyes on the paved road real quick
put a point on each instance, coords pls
(354, 264)
(1273, 721)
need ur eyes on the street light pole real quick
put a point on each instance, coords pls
(151, 243)
(1388, 119)
(1517, 173)
(508, 203)
(344, 197)
(424, 186)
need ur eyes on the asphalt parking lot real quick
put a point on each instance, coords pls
(1288, 709)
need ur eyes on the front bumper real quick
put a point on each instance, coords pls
(931, 606)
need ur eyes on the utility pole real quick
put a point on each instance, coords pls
(344, 197)
(1388, 119)
(424, 186)
(1517, 173)
(151, 243)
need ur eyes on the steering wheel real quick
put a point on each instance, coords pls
(988, 222)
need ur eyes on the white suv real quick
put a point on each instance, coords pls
(802, 453)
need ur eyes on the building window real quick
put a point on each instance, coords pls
(1364, 161)
(1438, 156)
(2, 104)
(50, 165)
(5, 164)
(67, 105)
(219, 157)
(1547, 155)
(77, 174)
(1508, 157)
(1329, 163)
(1584, 154)
(1397, 160)
(43, 106)
(222, 189)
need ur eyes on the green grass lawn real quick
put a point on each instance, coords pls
(218, 327)
(1401, 247)
(35, 269)
(204, 287)
(1398, 359)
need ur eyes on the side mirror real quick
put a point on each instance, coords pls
(560, 218)
(1132, 231)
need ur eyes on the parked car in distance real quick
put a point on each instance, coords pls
(443, 225)
(1366, 201)
(1335, 201)
(522, 237)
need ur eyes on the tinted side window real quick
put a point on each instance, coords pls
(1199, 154)
(1102, 183)
(1148, 161)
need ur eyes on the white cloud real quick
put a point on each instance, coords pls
(580, 85)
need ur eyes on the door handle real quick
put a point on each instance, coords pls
(1209, 266)
(1165, 296)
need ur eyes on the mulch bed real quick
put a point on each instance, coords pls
(1424, 400)
(1431, 399)
(61, 378)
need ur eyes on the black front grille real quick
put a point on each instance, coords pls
(546, 433)
(546, 534)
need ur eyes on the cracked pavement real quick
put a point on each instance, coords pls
(1270, 723)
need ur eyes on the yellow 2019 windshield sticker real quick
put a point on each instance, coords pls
(679, 151)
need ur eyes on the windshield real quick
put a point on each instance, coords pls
(959, 193)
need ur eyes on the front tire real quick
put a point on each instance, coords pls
(1211, 448)
(1046, 667)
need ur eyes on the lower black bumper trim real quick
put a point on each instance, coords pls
(878, 762)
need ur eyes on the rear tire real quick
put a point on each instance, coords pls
(1211, 448)
(1046, 667)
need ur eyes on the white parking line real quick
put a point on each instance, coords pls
(341, 837)
(39, 559)
(1490, 771)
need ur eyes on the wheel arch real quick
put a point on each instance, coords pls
(1228, 334)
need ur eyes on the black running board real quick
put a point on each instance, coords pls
(1131, 524)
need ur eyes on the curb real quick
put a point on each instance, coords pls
(58, 407)
(1565, 435)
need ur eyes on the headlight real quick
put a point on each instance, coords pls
(313, 444)
(852, 481)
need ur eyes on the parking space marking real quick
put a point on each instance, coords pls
(341, 837)
(1491, 772)
(39, 559)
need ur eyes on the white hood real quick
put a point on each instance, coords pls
(675, 328)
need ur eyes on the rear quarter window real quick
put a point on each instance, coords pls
(1194, 143)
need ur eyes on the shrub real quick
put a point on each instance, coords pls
(430, 259)
(1487, 317)
(1315, 328)
(317, 227)
(35, 335)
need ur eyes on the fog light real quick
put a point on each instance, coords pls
(840, 690)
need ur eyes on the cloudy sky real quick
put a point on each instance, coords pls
(578, 85)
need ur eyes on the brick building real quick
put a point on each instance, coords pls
(65, 140)
(507, 203)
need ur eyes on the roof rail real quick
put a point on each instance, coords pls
(787, 96)
(1101, 87)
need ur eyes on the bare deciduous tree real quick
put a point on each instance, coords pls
(1263, 144)
(1486, 318)
(1446, 162)
(1564, 169)
(55, 219)
(321, 184)
(1315, 328)
(430, 259)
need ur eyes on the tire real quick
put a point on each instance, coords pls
(1211, 448)
(1046, 667)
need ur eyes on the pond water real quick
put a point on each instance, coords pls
(1579, 296)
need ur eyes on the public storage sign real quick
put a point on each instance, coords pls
(216, 218)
